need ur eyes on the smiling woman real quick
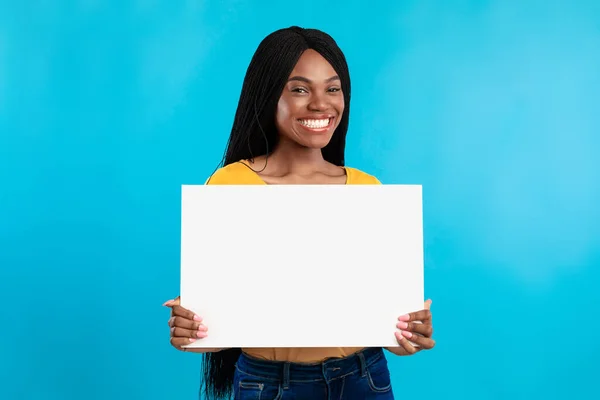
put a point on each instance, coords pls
(290, 128)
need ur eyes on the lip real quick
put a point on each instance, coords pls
(317, 116)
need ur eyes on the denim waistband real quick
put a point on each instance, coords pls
(282, 371)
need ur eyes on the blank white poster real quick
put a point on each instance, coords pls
(301, 265)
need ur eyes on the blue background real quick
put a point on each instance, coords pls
(107, 107)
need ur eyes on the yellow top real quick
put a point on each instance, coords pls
(241, 174)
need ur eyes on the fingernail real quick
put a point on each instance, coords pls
(399, 336)
(404, 317)
(197, 318)
(168, 302)
(402, 325)
(202, 328)
(172, 329)
(201, 334)
(192, 340)
(407, 334)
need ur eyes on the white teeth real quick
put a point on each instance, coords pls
(315, 123)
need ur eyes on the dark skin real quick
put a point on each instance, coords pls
(308, 112)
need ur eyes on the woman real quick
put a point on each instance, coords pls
(290, 128)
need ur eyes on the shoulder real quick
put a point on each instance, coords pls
(358, 177)
(235, 173)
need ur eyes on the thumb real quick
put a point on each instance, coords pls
(171, 303)
(428, 304)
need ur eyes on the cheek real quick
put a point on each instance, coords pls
(283, 112)
(341, 105)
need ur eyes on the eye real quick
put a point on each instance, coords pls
(334, 89)
(299, 90)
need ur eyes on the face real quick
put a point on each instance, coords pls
(312, 102)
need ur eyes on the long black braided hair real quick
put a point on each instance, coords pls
(254, 134)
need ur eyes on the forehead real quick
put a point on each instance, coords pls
(313, 65)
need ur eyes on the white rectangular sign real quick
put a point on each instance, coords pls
(301, 265)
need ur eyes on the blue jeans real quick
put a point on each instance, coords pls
(363, 375)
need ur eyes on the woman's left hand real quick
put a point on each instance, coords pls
(415, 327)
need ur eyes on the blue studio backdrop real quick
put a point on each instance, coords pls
(108, 107)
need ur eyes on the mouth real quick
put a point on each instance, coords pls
(316, 125)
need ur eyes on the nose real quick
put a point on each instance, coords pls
(318, 102)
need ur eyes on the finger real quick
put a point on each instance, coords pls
(173, 302)
(421, 341)
(186, 324)
(414, 327)
(406, 345)
(178, 311)
(422, 315)
(428, 307)
(187, 333)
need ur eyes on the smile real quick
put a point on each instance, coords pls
(316, 124)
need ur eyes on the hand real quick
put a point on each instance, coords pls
(186, 327)
(418, 333)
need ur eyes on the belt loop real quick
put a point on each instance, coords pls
(286, 375)
(363, 364)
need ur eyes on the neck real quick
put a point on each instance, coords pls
(290, 157)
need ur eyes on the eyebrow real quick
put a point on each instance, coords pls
(303, 79)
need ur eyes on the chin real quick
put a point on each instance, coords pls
(316, 142)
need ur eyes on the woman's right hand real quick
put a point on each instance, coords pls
(186, 327)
